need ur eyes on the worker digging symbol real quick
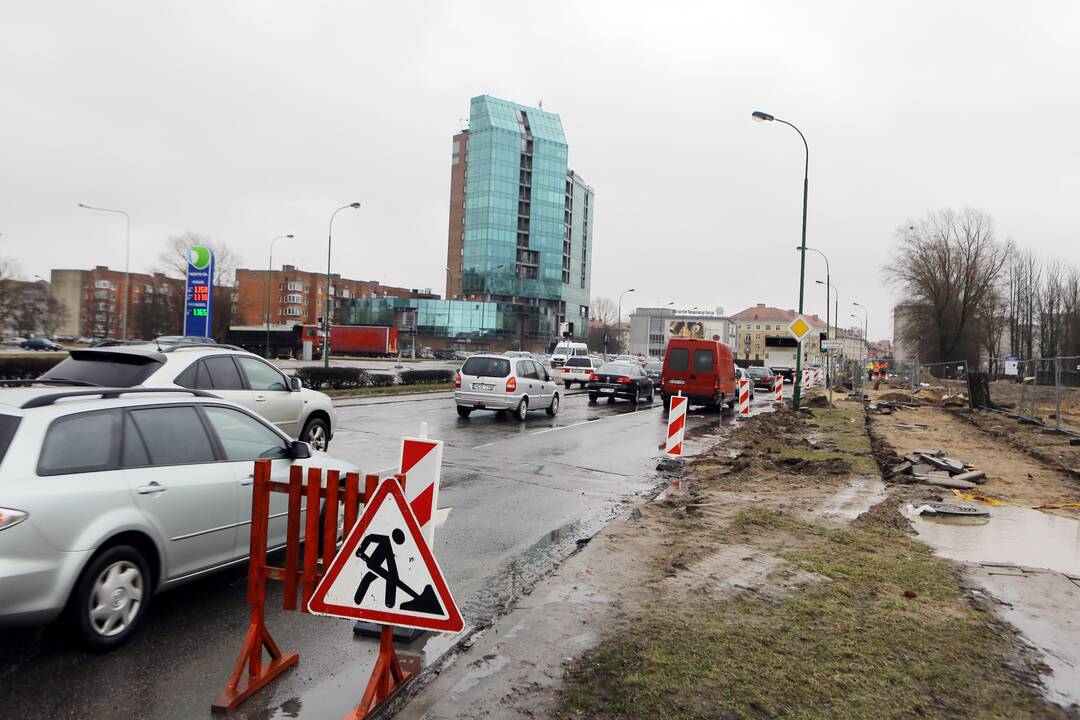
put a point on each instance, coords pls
(381, 563)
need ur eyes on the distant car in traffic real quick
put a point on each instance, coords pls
(503, 384)
(15, 341)
(578, 369)
(762, 377)
(654, 369)
(40, 343)
(111, 496)
(620, 380)
(567, 349)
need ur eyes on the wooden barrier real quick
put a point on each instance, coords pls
(294, 575)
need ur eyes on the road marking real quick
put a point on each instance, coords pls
(484, 445)
(591, 420)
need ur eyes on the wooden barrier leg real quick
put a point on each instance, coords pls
(257, 637)
(387, 677)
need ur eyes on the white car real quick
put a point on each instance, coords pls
(577, 370)
(108, 496)
(227, 371)
(499, 383)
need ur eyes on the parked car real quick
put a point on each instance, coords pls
(111, 496)
(578, 370)
(743, 374)
(40, 343)
(654, 369)
(15, 341)
(702, 370)
(620, 380)
(227, 371)
(762, 377)
(496, 382)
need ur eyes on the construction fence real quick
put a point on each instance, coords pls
(1043, 390)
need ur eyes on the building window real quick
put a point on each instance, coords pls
(295, 286)
(292, 312)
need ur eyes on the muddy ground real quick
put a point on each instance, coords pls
(766, 589)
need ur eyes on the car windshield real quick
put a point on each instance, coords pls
(578, 362)
(486, 367)
(104, 369)
(562, 349)
(615, 369)
(760, 371)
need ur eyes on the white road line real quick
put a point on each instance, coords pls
(483, 446)
(587, 422)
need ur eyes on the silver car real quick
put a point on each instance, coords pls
(500, 383)
(108, 496)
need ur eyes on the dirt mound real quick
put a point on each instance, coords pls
(894, 397)
(817, 401)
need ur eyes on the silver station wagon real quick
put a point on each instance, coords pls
(501, 383)
(108, 496)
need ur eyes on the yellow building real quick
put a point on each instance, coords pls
(756, 323)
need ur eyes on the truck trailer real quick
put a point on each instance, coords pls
(287, 341)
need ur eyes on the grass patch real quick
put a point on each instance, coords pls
(850, 646)
(390, 390)
(844, 426)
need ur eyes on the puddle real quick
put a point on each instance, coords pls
(854, 499)
(1014, 536)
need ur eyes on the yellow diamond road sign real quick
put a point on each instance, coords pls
(799, 328)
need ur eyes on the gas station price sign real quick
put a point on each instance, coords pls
(200, 292)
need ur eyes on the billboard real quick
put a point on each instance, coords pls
(686, 329)
(198, 308)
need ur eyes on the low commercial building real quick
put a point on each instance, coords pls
(651, 328)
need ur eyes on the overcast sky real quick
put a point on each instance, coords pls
(243, 121)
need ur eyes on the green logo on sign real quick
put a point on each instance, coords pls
(199, 257)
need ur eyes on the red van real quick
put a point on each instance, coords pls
(703, 370)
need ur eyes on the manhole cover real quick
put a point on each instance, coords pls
(940, 508)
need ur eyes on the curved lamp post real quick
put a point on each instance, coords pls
(618, 319)
(865, 337)
(763, 117)
(269, 276)
(127, 266)
(326, 314)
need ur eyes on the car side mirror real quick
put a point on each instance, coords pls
(296, 384)
(299, 450)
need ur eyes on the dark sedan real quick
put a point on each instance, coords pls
(653, 369)
(39, 343)
(620, 380)
(762, 377)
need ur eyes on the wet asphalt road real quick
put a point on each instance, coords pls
(521, 496)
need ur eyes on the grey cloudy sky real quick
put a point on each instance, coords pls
(243, 121)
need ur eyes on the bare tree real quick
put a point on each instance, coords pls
(1071, 324)
(992, 320)
(946, 264)
(9, 273)
(604, 332)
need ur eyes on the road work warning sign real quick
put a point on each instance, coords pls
(385, 572)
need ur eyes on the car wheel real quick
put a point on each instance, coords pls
(317, 433)
(666, 400)
(611, 399)
(463, 411)
(567, 384)
(593, 397)
(637, 396)
(553, 408)
(522, 410)
(111, 597)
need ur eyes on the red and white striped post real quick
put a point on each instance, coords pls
(676, 428)
(778, 386)
(744, 399)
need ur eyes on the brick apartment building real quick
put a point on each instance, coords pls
(95, 306)
(756, 323)
(298, 296)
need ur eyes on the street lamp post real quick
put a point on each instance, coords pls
(326, 314)
(127, 265)
(618, 318)
(831, 370)
(865, 339)
(762, 117)
(269, 276)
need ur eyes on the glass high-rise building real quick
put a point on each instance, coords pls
(520, 233)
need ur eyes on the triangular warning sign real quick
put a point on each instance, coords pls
(385, 572)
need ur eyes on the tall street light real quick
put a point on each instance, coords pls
(832, 366)
(618, 319)
(865, 337)
(127, 266)
(762, 117)
(269, 276)
(326, 314)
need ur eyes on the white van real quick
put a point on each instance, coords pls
(566, 350)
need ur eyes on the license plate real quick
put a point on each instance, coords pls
(483, 386)
(607, 390)
(677, 382)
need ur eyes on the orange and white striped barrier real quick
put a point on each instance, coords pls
(778, 386)
(817, 376)
(421, 462)
(744, 398)
(676, 426)
(805, 379)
